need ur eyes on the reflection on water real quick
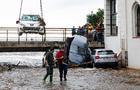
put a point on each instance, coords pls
(25, 58)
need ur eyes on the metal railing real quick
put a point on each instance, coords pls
(9, 37)
(52, 34)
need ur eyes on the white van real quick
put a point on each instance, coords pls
(30, 24)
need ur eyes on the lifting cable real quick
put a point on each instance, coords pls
(41, 9)
(20, 9)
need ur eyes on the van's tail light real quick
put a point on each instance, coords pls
(97, 57)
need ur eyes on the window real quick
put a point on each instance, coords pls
(30, 17)
(105, 52)
(136, 19)
(113, 27)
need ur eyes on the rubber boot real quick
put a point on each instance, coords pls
(65, 79)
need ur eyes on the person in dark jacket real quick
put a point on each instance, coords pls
(49, 62)
(73, 30)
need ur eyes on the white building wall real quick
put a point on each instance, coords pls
(133, 42)
(125, 40)
(122, 23)
(113, 43)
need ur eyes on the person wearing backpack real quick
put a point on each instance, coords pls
(49, 62)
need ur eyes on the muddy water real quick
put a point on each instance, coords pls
(78, 79)
(23, 58)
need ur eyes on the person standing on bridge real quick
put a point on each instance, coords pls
(73, 30)
(49, 62)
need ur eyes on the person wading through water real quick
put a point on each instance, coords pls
(62, 64)
(49, 62)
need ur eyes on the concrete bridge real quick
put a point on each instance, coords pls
(37, 46)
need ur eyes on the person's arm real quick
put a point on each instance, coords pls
(61, 57)
(55, 60)
(46, 63)
(46, 55)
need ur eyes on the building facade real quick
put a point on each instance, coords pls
(122, 29)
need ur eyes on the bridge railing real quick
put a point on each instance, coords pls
(9, 37)
(52, 34)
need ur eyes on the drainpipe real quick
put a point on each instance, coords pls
(124, 39)
(111, 17)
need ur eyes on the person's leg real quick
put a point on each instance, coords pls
(61, 71)
(65, 71)
(47, 70)
(51, 74)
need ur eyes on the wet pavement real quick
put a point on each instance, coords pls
(78, 79)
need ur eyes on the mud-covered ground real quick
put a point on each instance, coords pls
(78, 79)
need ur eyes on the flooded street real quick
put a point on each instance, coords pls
(78, 79)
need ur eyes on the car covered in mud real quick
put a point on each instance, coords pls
(77, 49)
(104, 57)
(30, 24)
